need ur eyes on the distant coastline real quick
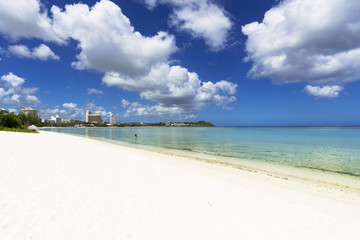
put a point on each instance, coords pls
(300, 126)
(133, 124)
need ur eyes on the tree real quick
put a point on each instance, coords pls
(1, 117)
(11, 120)
(30, 119)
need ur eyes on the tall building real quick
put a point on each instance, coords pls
(30, 112)
(56, 119)
(93, 118)
(112, 119)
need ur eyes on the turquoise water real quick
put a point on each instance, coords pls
(335, 150)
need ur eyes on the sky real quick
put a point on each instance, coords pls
(233, 63)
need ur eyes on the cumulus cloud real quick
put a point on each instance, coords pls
(105, 27)
(174, 89)
(20, 51)
(13, 80)
(41, 52)
(317, 41)
(13, 95)
(74, 111)
(200, 18)
(94, 91)
(324, 92)
(132, 61)
(128, 59)
(69, 105)
(26, 18)
(137, 109)
(44, 53)
(3, 92)
(151, 4)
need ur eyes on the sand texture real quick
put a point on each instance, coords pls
(56, 186)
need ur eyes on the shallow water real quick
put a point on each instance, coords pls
(335, 150)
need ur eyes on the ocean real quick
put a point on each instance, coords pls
(330, 154)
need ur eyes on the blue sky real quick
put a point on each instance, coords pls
(259, 62)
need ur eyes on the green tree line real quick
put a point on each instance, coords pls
(12, 120)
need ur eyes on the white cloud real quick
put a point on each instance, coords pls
(205, 21)
(105, 27)
(26, 18)
(137, 109)
(3, 92)
(97, 110)
(129, 59)
(12, 79)
(201, 18)
(15, 97)
(317, 41)
(12, 94)
(69, 105)
(191, 116)
(174, 89)
(73, 111)
(20, 51)
(94, 91)
(41, 52)
(324, 92)
(31, 98)
(49, 112)
(132, 61)
(151, 4)
(44, 53)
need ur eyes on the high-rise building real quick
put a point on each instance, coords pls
(30, 112)
(112, 119)
(93, 118)
(57, 119)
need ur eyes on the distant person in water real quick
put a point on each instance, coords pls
(135, 136)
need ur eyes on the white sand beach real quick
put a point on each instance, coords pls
(57, 186)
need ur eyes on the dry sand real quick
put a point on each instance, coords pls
(56, 186)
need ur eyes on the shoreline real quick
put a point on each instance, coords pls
(70, 187)
(318, 176)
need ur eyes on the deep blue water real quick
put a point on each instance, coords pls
(327, 149)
